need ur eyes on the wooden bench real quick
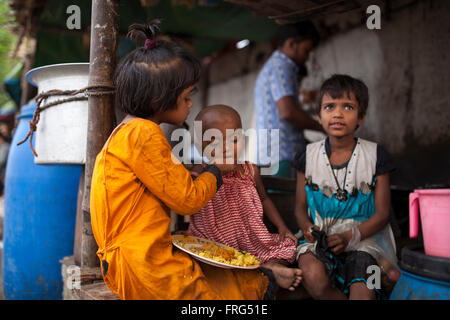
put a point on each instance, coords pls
(284, 201)
(91, 284)
(97, 291)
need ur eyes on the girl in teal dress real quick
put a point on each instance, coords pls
(343, 201)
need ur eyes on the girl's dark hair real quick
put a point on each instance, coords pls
(339, 84)
(150, 79)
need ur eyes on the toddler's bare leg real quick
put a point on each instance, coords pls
(287, 278)
(315, 279)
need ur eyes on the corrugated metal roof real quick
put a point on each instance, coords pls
(288, 11)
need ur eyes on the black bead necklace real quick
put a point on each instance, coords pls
(341, 193)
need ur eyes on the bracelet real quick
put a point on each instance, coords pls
(354, 241)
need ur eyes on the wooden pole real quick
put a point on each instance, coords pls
(79, 222)
(103, 56)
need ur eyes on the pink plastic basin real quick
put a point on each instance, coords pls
(435, 218)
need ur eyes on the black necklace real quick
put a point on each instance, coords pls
(341, 193)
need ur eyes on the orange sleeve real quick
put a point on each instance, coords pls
(169, 180)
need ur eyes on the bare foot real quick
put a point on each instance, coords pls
(287, 278)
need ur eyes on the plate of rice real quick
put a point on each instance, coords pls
(215, 253)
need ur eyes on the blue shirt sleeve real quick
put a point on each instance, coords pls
(283, 80)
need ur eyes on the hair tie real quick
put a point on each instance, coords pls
(149, 43)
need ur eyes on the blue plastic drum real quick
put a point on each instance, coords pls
(413, 287)
(39, 222)
(423, 277)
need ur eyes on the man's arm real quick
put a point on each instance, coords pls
(289, 112)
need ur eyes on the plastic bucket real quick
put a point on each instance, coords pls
(434, 207)
(61, 133)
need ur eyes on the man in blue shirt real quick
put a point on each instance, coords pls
(276, 99)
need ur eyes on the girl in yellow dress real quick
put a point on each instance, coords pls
(136, 181)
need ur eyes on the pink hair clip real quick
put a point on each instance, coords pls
(149, 43)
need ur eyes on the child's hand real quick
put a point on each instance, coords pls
(286, 233)
(338, 242)
(196, 170)
(307, 233)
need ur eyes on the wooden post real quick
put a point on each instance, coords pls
(103, 55)
(79, 222)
